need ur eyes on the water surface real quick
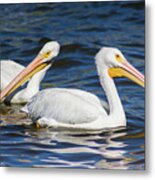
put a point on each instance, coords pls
(81, 29)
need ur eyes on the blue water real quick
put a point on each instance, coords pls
(81, 29)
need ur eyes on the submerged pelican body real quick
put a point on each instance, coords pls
(14, 75)
(78, 109)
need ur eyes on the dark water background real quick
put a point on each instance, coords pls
(81, 29)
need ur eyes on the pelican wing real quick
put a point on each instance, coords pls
(9, 70)
(69, 106)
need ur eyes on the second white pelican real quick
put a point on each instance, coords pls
(78, 109)
(11, 79)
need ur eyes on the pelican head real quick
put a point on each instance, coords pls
(114, 62)
(43, 59)
(49, 51)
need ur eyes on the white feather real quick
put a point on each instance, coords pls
(9, 70)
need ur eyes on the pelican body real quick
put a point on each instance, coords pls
(78, 109)
(13, 73)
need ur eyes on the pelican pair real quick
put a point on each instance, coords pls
(75, 108)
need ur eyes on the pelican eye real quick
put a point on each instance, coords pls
(46, 55)
(118, 58)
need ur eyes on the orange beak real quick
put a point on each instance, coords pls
(35, 66)
(127, 70)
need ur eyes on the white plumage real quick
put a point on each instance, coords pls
(72, 102)
(9, 70)
(12, 74)
(77, 109)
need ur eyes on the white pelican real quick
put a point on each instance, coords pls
(11, 79)
(78, 109)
